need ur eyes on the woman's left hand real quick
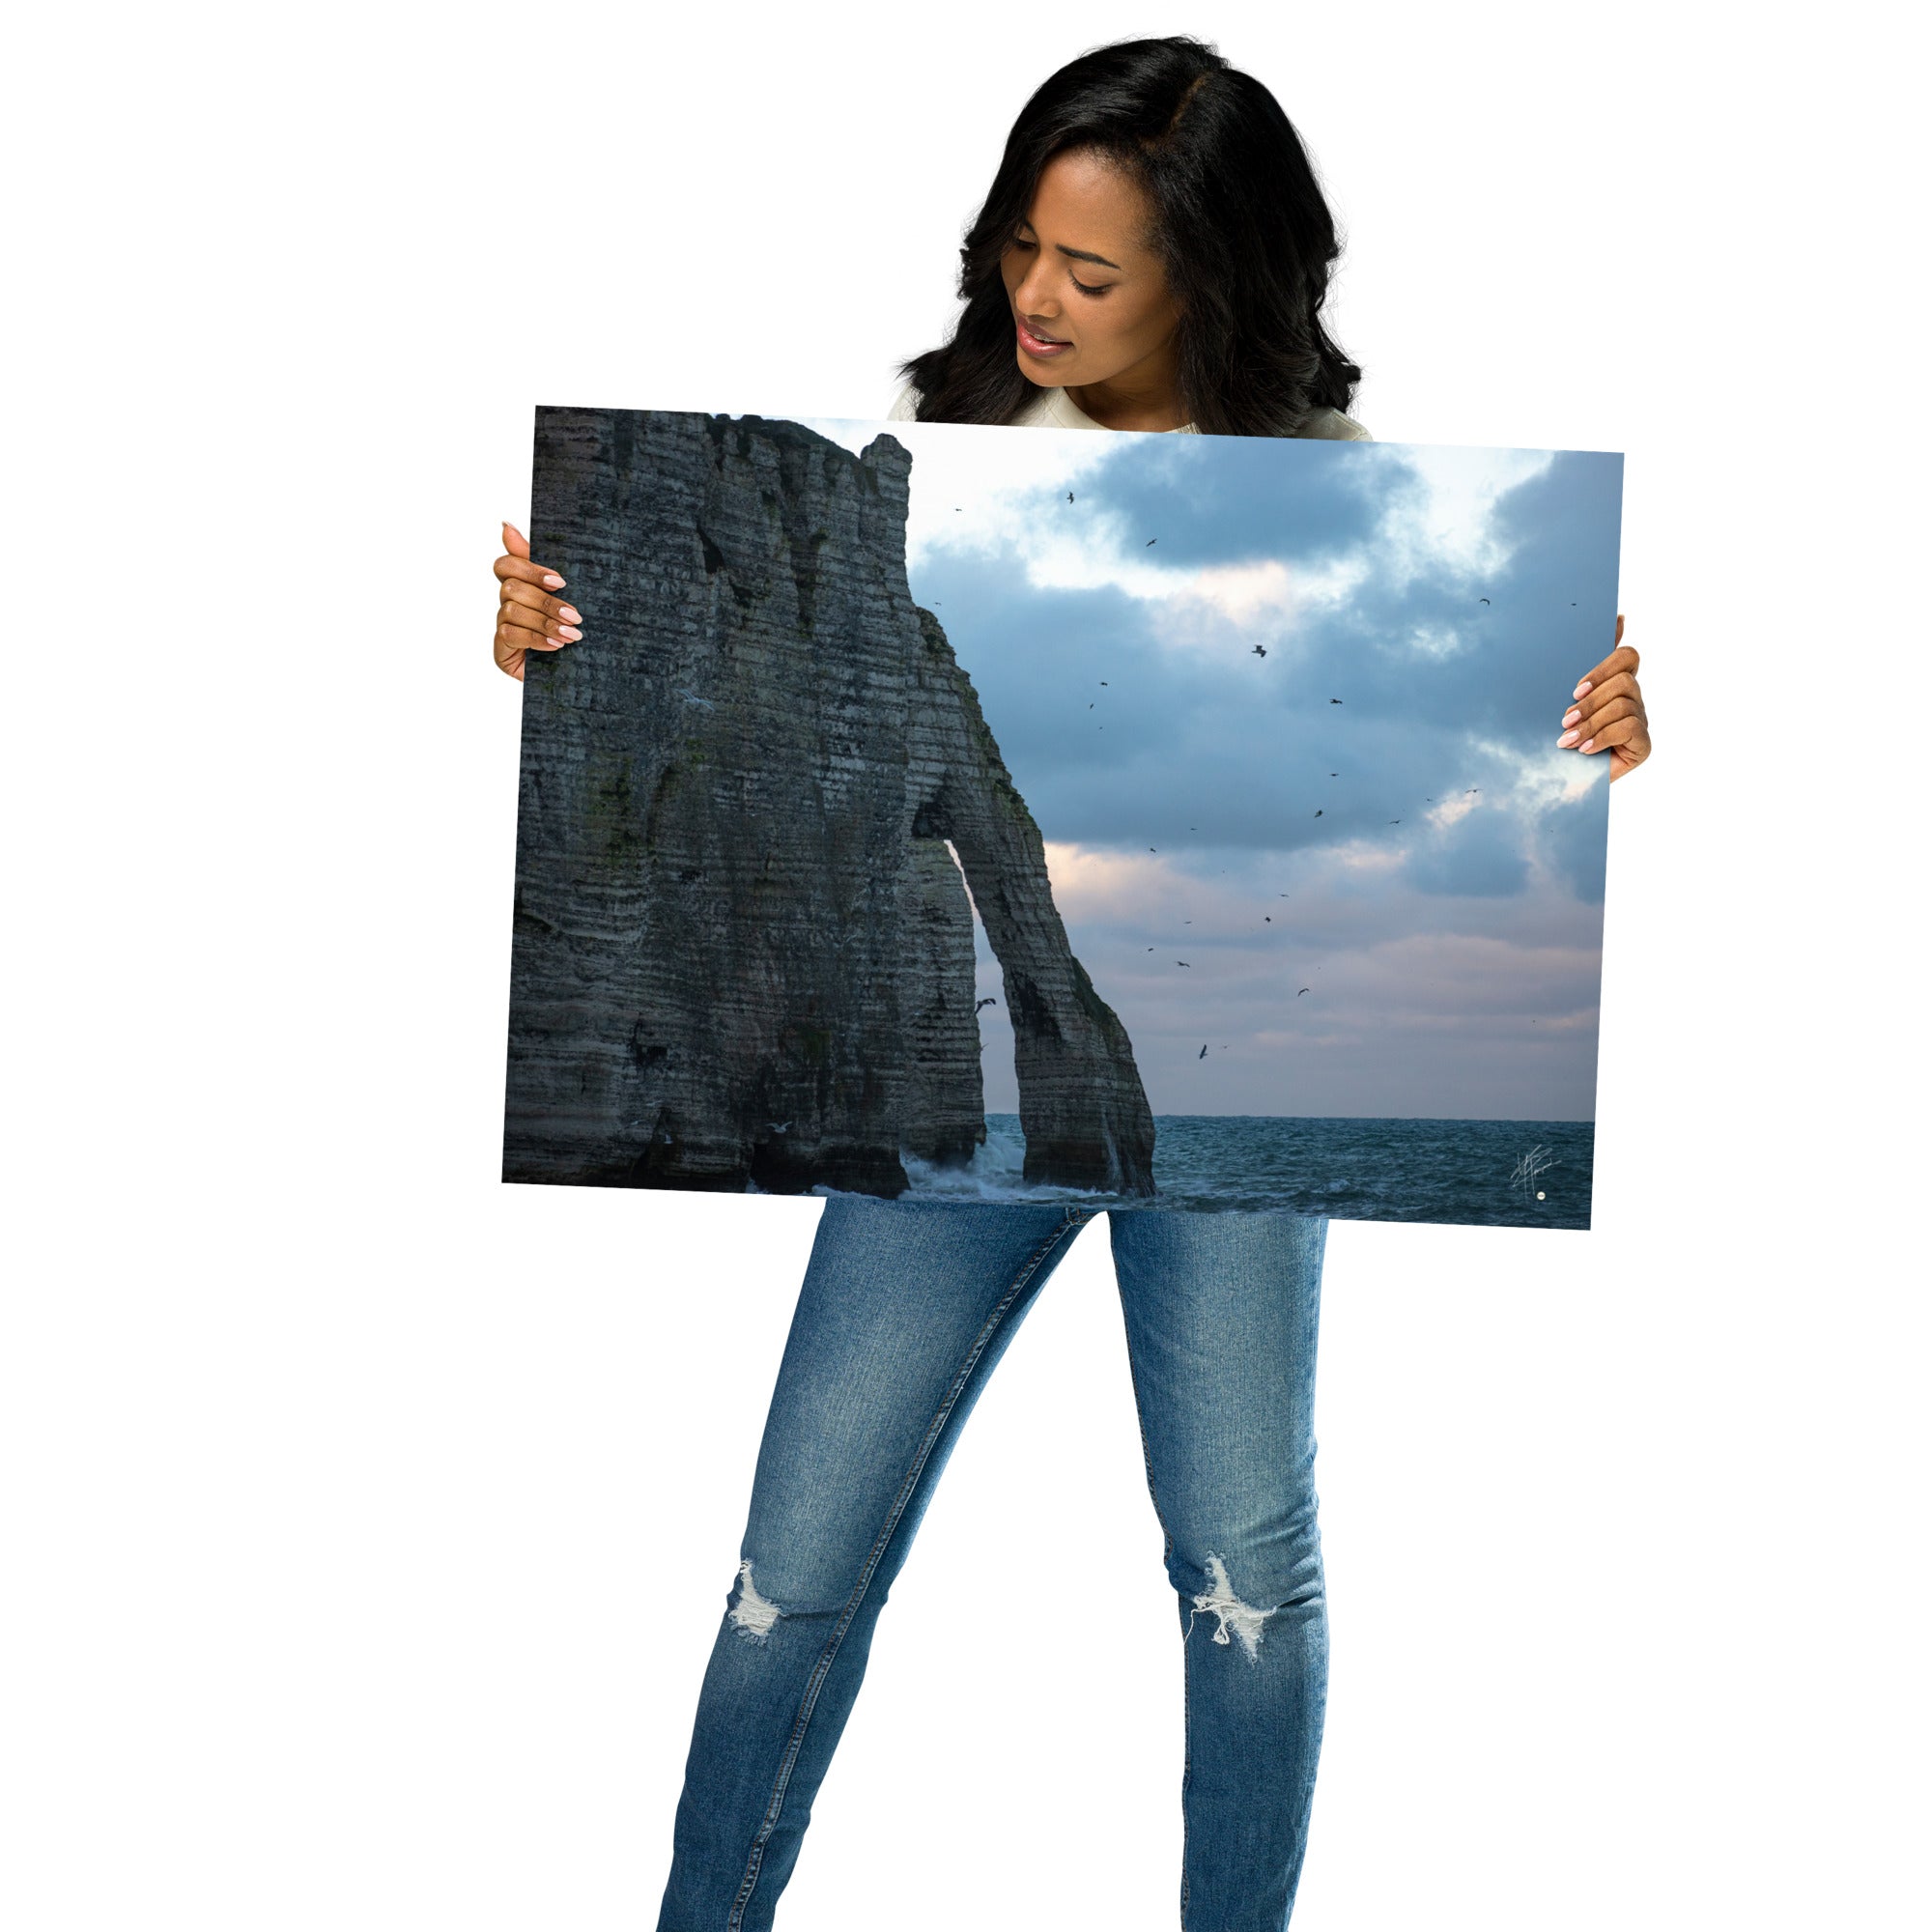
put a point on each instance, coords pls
(1606, 711)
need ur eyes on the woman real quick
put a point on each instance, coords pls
(1152, 255)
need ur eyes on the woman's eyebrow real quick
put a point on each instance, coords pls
(1081, 254)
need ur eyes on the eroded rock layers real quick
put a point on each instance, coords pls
(743, 950)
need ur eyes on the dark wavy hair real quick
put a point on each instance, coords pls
(1240, 225)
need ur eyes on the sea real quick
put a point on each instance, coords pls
(1508, 1174)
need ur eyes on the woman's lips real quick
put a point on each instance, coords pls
(1041, 346)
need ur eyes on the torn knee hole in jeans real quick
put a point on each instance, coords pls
(1241, 1619)
(753, 1615)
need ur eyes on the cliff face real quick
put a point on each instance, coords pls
(743, 951)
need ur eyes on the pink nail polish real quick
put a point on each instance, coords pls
(1568, 738)
(1570, 716)
(1586, 744)
(569, 616)
(1580, 689)
(552, 581)
(570, 633)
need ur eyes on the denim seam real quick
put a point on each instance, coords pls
(1167, 1539)
(775, 1809)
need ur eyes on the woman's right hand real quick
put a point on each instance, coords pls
(528, 617)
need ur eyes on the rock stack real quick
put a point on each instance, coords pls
(743, 947)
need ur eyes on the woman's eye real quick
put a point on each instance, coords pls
(1099, 289)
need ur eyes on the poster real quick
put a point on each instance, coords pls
(1164, 821)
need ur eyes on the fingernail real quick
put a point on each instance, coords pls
(552, 581)
(569, 632)
(1570, 716)
(1588, 744)
(1568, 738)
(569, 616)
(1580, 689)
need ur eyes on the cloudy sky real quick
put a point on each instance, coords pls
(1201, 802)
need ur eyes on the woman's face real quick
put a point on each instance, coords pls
(1091, 302)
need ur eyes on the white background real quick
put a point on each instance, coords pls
(366, 1522)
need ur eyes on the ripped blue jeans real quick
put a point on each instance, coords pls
(906, 1310)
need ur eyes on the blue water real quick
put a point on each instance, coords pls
(1476, 1173)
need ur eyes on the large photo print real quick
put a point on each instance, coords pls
(1164, 821)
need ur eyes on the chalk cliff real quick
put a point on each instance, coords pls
(743, 951)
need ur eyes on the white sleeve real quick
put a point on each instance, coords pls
(906, 409)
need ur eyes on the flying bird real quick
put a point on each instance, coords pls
(1203, 1055)
(1303, 990)
(1069, 495)
(1260, 651)
(1103, 684)
(1334, 700)
(1267, 918)
(1183, 962)
(1395, 821)
(988, 1001)
(1482, 599)
(1151, 542)
(1318, 815)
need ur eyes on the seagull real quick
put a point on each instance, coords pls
(778, 1126)
(1103, 684)
(1334, 700)
(1318, 815)
(1183, 962)
(1303, 990)
(1151, 542)
(988, 1001)
(1149, 848)
(1267, 918)
(703, 703)
(1204, 1050)
(1395, 821)
(1482, 599)
(1069, 495)
(1260, 651)
(1090, 707)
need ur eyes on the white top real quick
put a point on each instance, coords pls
(1054, 409)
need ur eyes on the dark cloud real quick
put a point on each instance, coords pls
(1482, 855)
(1232, 499)
(1574, 838)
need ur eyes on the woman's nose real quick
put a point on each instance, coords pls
(1031, 296)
